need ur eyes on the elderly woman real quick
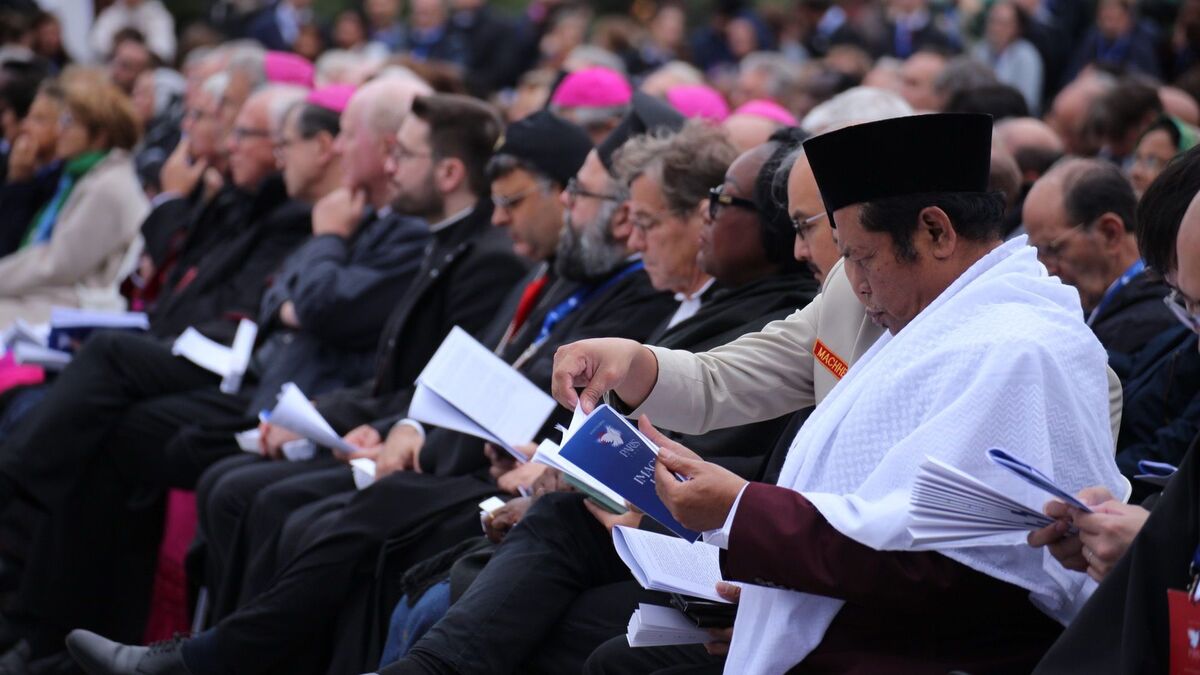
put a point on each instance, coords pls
(77, 247)
(1158, 145)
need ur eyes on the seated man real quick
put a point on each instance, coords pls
(969, 318)
(1080, 216)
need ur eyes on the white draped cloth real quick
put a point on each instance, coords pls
(1002, 358)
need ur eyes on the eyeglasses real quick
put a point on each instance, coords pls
(1054, 250)
(241, 134)
(645, 222)
(718, 199)
(1179, 307)
(805, 225)
(400, 153)
(574, 191)
(511, 202)
(282, 145)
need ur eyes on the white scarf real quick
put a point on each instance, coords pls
(1001, 358)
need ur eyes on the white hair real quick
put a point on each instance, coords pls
(857, 105)
(586, 56)
(282, 98)
(337, 66)
(215, 85)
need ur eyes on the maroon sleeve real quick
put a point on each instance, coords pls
(780, 539)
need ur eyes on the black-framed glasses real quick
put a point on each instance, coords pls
(803, 226)
(718, 199)
(574, 191)
(1179, 307)
(511, 202)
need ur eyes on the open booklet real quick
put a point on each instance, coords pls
(613, 463)
(950, 505)
(657, 626)
(669, 564)
(52, 345)
(467, 388)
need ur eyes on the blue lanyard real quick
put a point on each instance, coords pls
(1134, 270)
(564, 308)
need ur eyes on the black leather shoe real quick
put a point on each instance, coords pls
(98, 655)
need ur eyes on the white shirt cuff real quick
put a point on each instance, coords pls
(720, 538)
(406, 422)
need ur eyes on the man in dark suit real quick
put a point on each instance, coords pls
(1081, 217)
(601, 292)
(563, 558)
(278, 26)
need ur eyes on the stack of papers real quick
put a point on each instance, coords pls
(613, 463)
(468, 389)
(70, 326)
(655, 626)
(228, 362)
(949, 505)
(669, 564)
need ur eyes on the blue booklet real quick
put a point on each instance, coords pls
(615, 453)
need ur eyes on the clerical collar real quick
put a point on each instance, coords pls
(689, 304)
(684, 297)
(447, 222)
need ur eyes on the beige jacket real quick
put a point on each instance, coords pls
(89, 251)
(790, 364)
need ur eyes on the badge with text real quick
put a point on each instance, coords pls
(827, 358)
(1185, 633)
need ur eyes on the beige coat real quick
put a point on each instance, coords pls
(790, 364)
(88, 253)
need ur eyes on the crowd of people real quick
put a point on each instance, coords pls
(807, 247)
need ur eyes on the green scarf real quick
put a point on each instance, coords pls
(43, 223)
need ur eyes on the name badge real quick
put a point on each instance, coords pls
(831, 361)
(1185, 633)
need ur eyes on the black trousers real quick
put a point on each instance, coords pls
(554, 591)
(616, 657)
(121, 423)
(284, 627)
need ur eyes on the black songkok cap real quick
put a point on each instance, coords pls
(549, 143)
(647, 114)
(949, 152)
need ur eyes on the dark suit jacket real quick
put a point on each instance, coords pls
(223, 280)
(466, 273)
(265, 28)
(20, 202)
(342, 291)
(1134, 316)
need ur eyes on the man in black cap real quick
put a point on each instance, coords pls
(981, 350)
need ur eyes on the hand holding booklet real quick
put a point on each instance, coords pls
(611, 461)
(296, 413)
(670, 564)
(468, 389)
(949, 505)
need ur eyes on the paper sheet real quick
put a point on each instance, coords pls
(363, 471)
(73, 317)
(228, 362)
(657, 626)
(480, 387)
(664, 563)
(295, 413)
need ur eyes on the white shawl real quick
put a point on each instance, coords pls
(1002, 358)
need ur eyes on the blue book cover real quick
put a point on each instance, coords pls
(612, 451)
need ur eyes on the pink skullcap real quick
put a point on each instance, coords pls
(697, 100)
(592, 88)
(288, 68)
(767, 110)
(332, 97)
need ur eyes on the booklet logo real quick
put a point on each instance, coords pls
(610, 436)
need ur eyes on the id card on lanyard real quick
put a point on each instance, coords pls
(1123, 281)
(1184, 610)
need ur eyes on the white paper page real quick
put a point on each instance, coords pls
(486, 389)
(656, 626)
(22, 332)
(239, 356)
(72, 317)
(248, 441)
(666, 563)
(211, 356)
(363, 470)
(295, 413)
(37, 355)
(427, 407)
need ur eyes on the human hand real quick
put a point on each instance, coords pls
(703, 500)
(631, 517)
(1067, 547)
(401, 451)
(22, 159)
(179, 173)
(271, 438)
(505, 518)
(502, 461)
(551, 480)
(365, 437)
(522, 476)
(600, 365)
(721, 637)
(339, 213)
(1106, 533)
